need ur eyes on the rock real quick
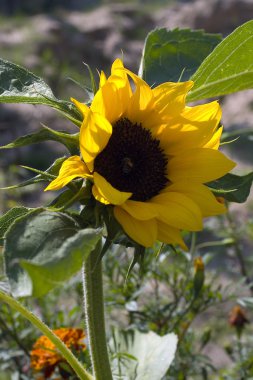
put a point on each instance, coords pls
(215, 16)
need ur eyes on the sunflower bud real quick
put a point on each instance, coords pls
(199, 276)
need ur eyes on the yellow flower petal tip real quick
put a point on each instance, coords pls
(73, 167)
(83, 108)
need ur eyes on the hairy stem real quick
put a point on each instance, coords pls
(94, 312)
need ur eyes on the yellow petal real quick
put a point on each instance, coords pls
(105, 97)
(140, 210)
(169, 235)
(214, 142)
(199, 165)
(141, 101)
(125, 91)
(170, 97)
(97, 195)
(71, 168)
(83, 108)
(143, 232)
(94, 135)
(201, 195)
(193, 128)
(102, 78)
(178, 210)
(117, 65)
(112, 98)
(108, 192)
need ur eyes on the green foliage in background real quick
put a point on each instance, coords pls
(161, 292)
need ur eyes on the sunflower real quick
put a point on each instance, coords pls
(149, 156)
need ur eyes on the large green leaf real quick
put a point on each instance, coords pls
(71, 141)
(18, 85)
(7, 219)
(229, 68)
(67, 260)
(45, 239)
(170, 55)
(232, 187)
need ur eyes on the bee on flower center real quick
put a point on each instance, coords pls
(127, 165)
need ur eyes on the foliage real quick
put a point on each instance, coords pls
(161, 292)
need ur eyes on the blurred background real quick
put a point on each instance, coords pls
(53, 38)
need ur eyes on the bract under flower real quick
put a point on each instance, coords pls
(150, 156)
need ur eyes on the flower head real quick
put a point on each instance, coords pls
(149, 156)
(237, 317)
(44, 355)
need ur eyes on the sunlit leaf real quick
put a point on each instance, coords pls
(173, 55)
(229, 68)
(18, 85)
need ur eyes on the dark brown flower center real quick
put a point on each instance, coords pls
(133, 161)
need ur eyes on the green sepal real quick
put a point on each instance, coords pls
(45, 176)
(228, 68)
(71, 141)
(92, 79)
(170, 55)
(232, 187)
(50, 246)
(67, 198)
(198, 282)
(138, 257)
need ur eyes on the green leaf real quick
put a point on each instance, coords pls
(7, 219)
(229, 68)
(37, 237)
(18, 85)
(71, 141)
(232, 187)
(66, 261)
(173, 55)
(50, 173)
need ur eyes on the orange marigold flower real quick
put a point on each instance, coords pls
(238, 317)
(44, 355)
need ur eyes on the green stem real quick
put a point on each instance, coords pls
(94, 312)
(65, 352)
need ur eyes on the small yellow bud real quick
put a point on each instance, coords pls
(198, 264)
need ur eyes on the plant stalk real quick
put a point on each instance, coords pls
(61, 347)
(94, 313)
